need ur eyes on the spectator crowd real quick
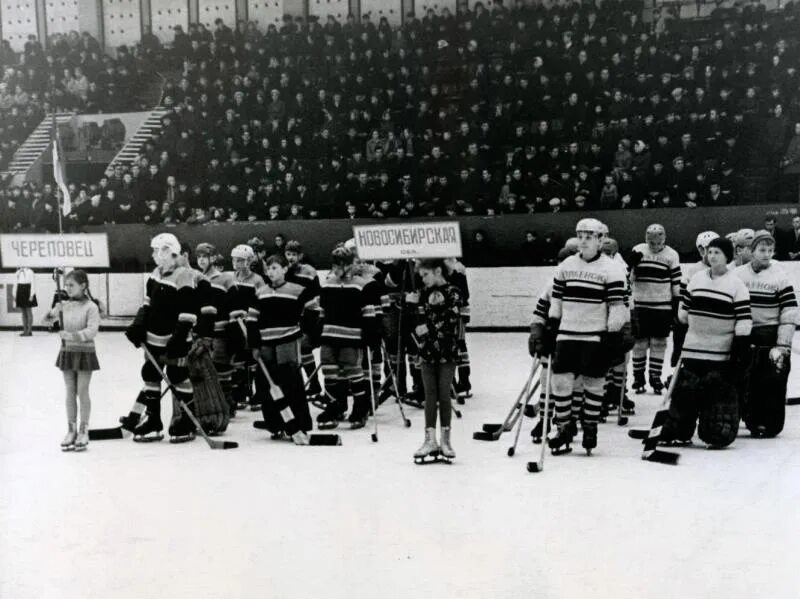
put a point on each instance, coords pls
(561, 106)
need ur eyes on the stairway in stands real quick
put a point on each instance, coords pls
(133, 147)
(34, 146)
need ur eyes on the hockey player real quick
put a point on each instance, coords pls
(588, 313)
(716, 308)
(456, 274)
(655, 274)
(541, 344)
(348, 323)
(163, 324)
(615, 379)
(276, 319)
(774, 309)
(221, 293)
(259, 253)
(439, 330)
(305, 275)
(245, 289)
(742, 244)
(678, 328)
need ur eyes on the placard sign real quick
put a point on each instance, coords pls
(34, 250)
(408, 240)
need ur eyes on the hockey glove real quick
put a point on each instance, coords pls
(549, 337)
(634, 259)
(676, 304)
(137, 331)
(535, 340)
(628, 340)
(779, 356)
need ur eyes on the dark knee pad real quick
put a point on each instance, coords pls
(764, 410)
(682, 417)
(719, 412)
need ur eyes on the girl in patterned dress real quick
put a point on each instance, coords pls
(80, 321)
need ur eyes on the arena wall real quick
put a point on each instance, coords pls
(502, 298)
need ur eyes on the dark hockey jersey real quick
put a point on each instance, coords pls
(306, 276)
(655, 281)
(221, 290)
(347, 311)
(171, 306)
(275, 315)
(458, 277)
(244, 294)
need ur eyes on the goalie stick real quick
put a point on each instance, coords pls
(492, 431)
(621, 419)
(300, 437)
(651, 453)
(372, 397)
(212, 443)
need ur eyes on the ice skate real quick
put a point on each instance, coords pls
(656, 385)
(181, 430)
(385, 394)
(464, 390)
(329, 418)
(538, 431)
(638, 383)
(429, 451)
(149, 429)
(589, 441)
(359, 414)
(82, 440)
(446, 450)
(628, 406)
(415, 399)
(254, 407)
(68, 444)
(559, 443)
(318, 400)
(130, 421)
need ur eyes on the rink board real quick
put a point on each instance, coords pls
(501, 298)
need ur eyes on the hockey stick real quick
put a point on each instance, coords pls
(623, 420)
(212, 443)
(300, 437)
(513, 448)
(492, 432)
(119, 432)
(538, 466)
(310, 378)
(453, 398)
(393, 374)
(650, 452)
(372, 396)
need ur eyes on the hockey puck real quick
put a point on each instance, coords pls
(533, 467)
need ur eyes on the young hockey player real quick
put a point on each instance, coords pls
(439, 332)
(615, 379)
(220, 295)
(678, 328)
(259, 254)
(348, 323)
(80, 321)
(742, 245)
(456, 274)
(588, 312)
(655, 274)
(541, 344)
(164, 324)
(281, 311)
(306, 276)
(716, 351)
(774, 309)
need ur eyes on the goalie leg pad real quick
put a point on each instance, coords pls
(683, 407)
(765, 403)
(719, 412)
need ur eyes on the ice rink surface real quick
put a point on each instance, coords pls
(274, 520)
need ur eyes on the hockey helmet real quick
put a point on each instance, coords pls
(744, 238)
(205, 249)
(350, 245)
(604, 227)
(655, 235)
(590, 225)
(704, 238)
(341, 256)
(168, 241)
(243, 251)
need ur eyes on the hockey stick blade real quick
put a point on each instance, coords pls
(492, 428)
(793, 401)
(324, 439)
(534, 467)
(662, 457)
(108, 434)
(640, 434)
(622, 420)
(484, 436)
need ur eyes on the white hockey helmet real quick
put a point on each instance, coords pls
(604, 228)
(243, 251)
(168, 241)
(744, 238)
(704, 238)
(590, 225)
(655, 235)
(350, 246)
